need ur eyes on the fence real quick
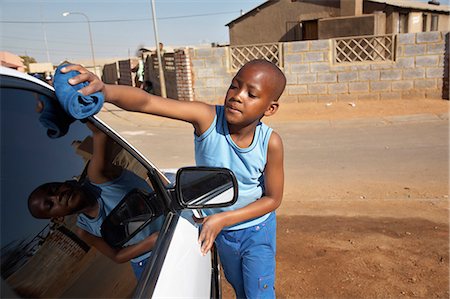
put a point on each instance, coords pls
(239, 55)
(403, 66)
(152, 74)
(413, 65)
(364, 48)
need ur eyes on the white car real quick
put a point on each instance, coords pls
(42, 258)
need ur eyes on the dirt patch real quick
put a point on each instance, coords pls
(362, 109)
(360, 257)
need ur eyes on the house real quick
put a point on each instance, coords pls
(295, 20)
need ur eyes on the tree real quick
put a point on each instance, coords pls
(27, 60)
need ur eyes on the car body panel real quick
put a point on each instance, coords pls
(185, 256)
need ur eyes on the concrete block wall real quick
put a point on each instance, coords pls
(420, 70)
(210, 75)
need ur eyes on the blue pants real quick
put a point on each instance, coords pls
(248, 259)
(138, 267)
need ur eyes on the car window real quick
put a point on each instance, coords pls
(42, 257)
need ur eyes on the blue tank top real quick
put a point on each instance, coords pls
(215, 148)
(108, 195)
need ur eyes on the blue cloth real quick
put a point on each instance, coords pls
(54, 118)
(74, 103)
(248, 259)
(215, 148)
(108, 195)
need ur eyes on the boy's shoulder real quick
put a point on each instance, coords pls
(275, 141)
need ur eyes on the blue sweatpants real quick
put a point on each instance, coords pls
(248, 259)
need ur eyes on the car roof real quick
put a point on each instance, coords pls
(4, 71)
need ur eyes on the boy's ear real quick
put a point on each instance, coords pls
(272, 109)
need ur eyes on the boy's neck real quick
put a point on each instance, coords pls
(243, 136)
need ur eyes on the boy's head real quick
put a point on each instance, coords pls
(254, 92)
(57, 199)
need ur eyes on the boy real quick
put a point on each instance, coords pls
(230, 136)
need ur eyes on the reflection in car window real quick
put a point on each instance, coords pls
(46, 258)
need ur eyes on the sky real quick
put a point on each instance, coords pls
(119, 27)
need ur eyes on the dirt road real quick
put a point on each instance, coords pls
(388, 240)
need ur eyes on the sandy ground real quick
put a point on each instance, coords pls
(353, 248)
(354, 110)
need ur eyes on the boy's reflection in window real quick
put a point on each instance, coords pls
(93, 199)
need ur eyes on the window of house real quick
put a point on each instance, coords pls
(293, 31)
(310, 30)
(403, 23)
(434, 22)
(424, 22)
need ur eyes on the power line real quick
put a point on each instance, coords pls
(119, 20)
(54, 41)
(40, 50)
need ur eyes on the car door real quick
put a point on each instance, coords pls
(42, 258)
(184, 272)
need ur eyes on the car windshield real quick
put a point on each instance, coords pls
(46, 257)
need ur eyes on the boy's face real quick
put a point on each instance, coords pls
(57, 200)
(250, 96)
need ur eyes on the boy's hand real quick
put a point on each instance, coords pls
(211, 227)
(95, 84)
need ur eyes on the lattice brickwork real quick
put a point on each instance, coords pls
(364, 48)
(243, 54)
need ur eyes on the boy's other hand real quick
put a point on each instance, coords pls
(211, 227)
(95, 84)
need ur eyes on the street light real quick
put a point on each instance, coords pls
(65, 14)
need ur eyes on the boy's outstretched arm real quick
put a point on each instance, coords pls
(101, 168)
(199, 114)
(121, 255)
(274, 184)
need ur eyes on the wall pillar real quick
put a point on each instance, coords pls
(183, 71)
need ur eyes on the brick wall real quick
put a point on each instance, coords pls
(184, 75)
(420, 70)
(125, 75)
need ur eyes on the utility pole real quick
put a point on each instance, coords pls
(162, 80)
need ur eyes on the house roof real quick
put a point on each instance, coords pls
(254, 10)
(414, 4)
(397, 3)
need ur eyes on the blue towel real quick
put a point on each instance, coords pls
(54, 118)
(73, 102)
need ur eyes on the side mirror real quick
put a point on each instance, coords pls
(206, 187)
(131, 214)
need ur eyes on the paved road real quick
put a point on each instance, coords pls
(397, 157)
